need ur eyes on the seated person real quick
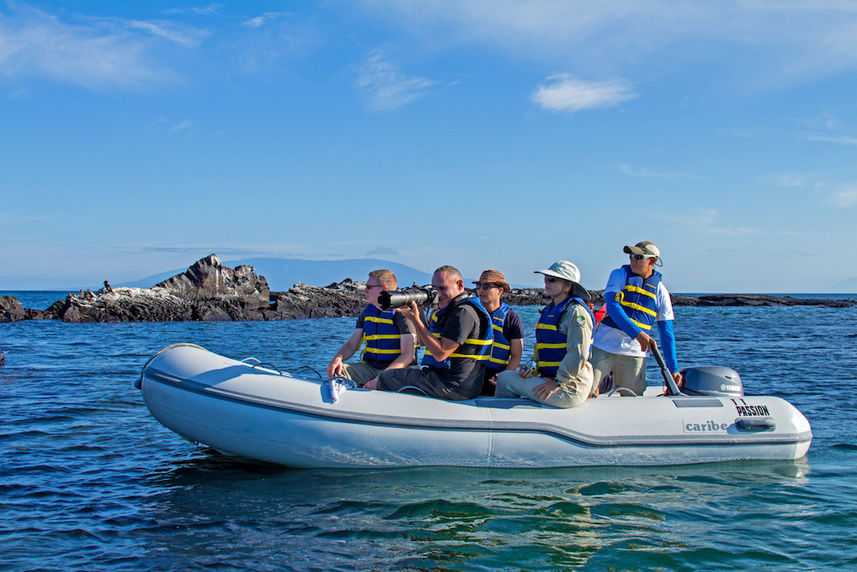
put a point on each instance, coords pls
(457, 341)
(508, 346)
(390, 340)
(563, 375)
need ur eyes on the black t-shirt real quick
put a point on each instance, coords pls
(513, 326)
(464, 375)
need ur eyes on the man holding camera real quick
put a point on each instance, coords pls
(636, 300)
(457, 339)
(390, 342)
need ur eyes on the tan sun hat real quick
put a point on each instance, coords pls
(567, 271)
(646, 248)
(494, 277)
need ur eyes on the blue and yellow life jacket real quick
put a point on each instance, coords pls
(473, 348)
(639, 300)
(501, 347)
(551, 344)
(382, 337)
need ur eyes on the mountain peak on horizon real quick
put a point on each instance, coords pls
(283, 273)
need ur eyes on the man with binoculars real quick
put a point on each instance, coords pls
(457, 339)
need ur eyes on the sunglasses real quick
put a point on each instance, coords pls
(640, 256)
(487, 285)
(550, 279)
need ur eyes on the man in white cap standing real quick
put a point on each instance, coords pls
(563, 375)
(636, 299)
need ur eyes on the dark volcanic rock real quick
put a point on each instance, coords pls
(208, 279)
(302, 301)
(756, 300)
(207, 291)
(11, 309)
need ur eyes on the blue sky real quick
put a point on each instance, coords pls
(136, 137)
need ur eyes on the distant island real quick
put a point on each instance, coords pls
(210, 291)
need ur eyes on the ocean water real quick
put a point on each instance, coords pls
(89, 480)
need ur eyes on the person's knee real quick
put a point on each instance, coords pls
(505, 383)
(386, 379)
(393, 379)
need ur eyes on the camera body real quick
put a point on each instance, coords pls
(398, 298)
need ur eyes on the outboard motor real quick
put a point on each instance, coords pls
(715, 381)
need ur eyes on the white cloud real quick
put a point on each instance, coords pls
(706, 221)
(97, 54)
(700, 218)
(183, 125)
(182, 35)
(773, 43)
(564, 93)
(838, 139)
(208, 10)
(262, 19)
(385, 87)
(643, 172)
(789, 180)
(254, 22)
(847, 197)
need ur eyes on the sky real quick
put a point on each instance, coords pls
(136, 137)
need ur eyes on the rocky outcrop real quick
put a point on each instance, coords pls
(757, 300)
(208, 279)
(11, 309)
(345, 298)
(209, 291)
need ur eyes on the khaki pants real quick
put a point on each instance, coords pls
(359, 372)
(510, 384)
(628, 371)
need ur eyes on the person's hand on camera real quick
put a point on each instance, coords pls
(411, 312)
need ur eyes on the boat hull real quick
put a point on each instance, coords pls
(261, 414)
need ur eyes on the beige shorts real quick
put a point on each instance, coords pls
(628, 371)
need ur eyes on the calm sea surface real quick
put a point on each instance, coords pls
(89, 480)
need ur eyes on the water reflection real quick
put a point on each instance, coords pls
(463, 517)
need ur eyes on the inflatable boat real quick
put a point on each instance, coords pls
(251, 410)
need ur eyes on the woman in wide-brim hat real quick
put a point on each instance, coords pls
(562, 376)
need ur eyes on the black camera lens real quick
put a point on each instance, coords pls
(398, 298)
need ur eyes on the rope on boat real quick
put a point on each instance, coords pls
(310, 368)
(139, 382)
(267, 364)
(407, 387)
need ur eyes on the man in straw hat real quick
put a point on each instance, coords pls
(508, 343)
(563, 375)
(636, 299)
